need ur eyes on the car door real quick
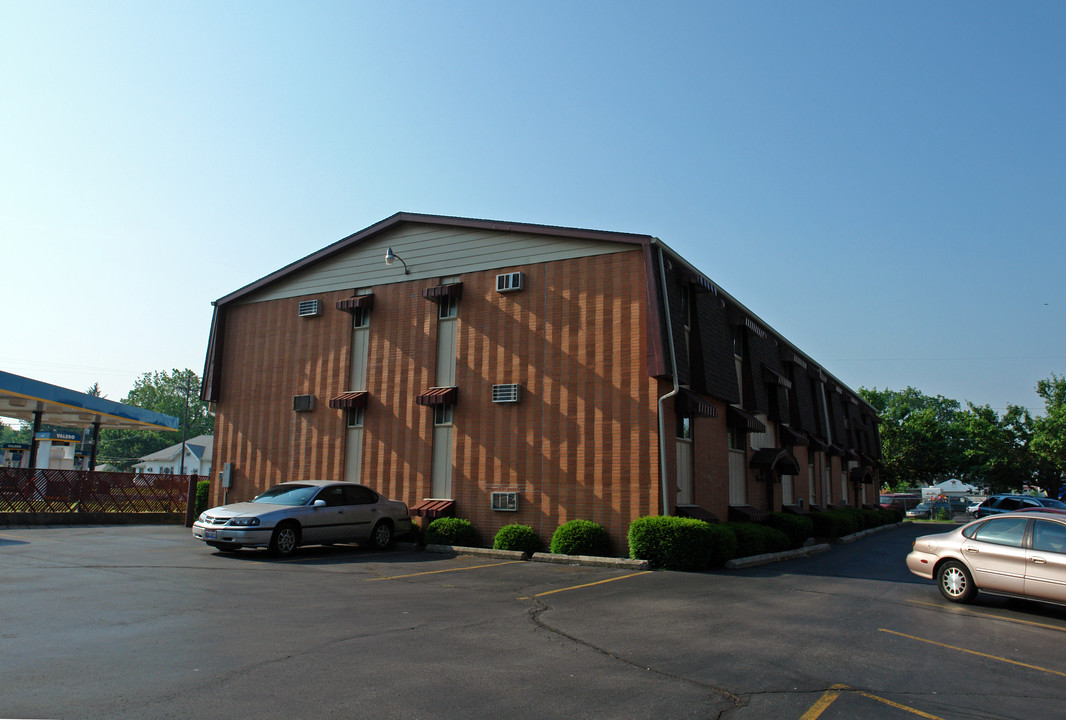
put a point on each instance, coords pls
(326, 524)
(1045, 569)
(362, 511)
(997, 554)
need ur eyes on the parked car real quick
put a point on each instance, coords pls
(1005, 503)
(971, 509)
(1019, 554)
(899, 501)
(313, 512)
(927, 509)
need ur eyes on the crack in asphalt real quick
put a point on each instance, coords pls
(535, 618)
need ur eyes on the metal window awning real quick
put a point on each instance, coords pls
(778, 460)
(439, 396)
(861, 475)
(349, 400)
(791, 437)
(772, 376)
(689, 403)
(359, 302)
(434, 508)
(437, 292)
(745, 420)
(818, 445)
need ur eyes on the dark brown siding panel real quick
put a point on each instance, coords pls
(713, 333)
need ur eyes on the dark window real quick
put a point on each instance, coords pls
(738, 341)
(1049, 537)
(360, 317)
(359, 495)
(1003, 531)
(737, 437)
(448, 307)
(334, 496)
(684, 427)
(355, 417)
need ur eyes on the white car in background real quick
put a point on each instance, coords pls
(312, 512)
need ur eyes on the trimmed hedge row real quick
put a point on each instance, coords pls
(675, 543)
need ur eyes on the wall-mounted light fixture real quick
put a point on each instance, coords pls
(391, 257)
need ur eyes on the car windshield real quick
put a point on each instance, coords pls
(287, 495)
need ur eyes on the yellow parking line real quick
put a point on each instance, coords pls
(961, 611)
(835, 691)
(974, 652)
(577, 587)
(823, 702)
(898, 706)
(446, 570)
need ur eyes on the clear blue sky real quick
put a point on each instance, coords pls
(882, 183)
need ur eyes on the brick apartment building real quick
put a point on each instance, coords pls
(509, 372)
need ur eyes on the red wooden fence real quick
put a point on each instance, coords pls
(61, 491)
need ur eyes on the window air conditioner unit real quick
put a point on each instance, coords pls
(303, 403)
(308, 308)
(509, 282)
(505, 393)
(505, 501)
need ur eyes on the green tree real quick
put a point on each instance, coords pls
(177, 394)
(995, 449)
(918, 436)
(1049, 435)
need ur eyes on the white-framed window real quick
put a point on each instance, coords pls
(448, 307)
(684, 427)
(360, 318)
(443, 414)
(355, 417)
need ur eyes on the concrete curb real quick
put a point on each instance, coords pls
(591, 561)
(483, 552)
(863, 533)
(753, 560)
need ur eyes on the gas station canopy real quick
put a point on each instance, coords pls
(22, 398)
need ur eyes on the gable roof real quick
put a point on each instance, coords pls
(201, 446)
(212, 366)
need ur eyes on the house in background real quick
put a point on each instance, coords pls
(516, 373)
(198, 453)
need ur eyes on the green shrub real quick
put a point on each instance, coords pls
(581, 537)
(203, 490)
(850, 520)
(797, 527)
(522, 538)
(754, 539)
(451, 531)
(673, 543)
(725, 545)
(833, 524)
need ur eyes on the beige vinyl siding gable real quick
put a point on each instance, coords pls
(430, 253)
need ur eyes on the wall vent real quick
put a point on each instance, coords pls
(505, 393)
(505, 501)
(303, 403)
(308, 308)
(509, 282)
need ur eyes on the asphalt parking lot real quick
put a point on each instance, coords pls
(146, 622)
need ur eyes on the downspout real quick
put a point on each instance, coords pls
(672, 393)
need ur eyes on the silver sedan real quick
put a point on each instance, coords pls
(312, 512)
(1018, 554)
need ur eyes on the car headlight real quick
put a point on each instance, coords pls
(244, 521)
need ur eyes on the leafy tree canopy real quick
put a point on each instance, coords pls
(177, 394)
(927, 439)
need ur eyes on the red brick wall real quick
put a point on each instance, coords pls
(580, 444)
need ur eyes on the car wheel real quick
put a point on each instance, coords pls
(955, 582)
(381, 536)
(284, 540)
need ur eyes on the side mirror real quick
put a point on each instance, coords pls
(318, 503)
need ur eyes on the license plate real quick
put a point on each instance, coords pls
(210, 534)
